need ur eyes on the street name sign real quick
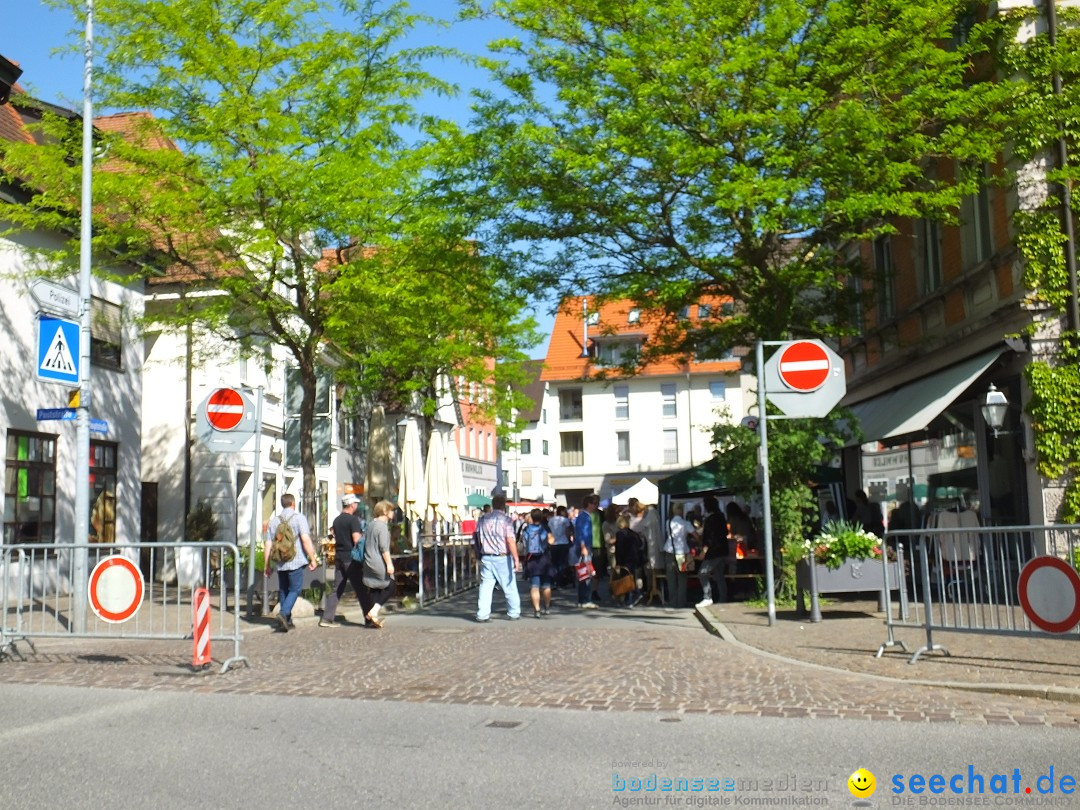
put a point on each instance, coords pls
(56, 414)
(58, 350)
(54, 298)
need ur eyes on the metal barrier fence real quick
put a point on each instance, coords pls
(446, 564)
(965, 580)
(37, 594)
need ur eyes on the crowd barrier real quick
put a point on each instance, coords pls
(966, 580)
(449, 564)
(39, 598)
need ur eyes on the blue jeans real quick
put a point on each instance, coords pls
(289, 585)
(497, 570)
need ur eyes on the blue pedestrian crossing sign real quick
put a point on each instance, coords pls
(58, 350)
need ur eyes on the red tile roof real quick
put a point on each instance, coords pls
(565, 358)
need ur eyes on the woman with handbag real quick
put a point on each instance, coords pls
(628, 561)
(538, 568)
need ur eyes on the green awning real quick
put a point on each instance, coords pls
(703, 478)
(478, 501)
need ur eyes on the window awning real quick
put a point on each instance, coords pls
(912, 407)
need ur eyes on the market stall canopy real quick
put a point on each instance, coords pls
(703, 478)
(478, 501)
(644, 490)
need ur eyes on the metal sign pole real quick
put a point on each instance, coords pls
(763, 435)
(81, 541)
(256, 490)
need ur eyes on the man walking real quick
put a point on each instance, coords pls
(290, 572)
(498, 560)
(582, 548)
(347, 531)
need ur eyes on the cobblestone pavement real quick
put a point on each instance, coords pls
(647, 660)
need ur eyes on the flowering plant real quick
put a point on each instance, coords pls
(840, 540)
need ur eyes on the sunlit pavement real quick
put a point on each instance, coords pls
(608, 660)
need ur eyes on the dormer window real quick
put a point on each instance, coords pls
(634, 316)
(593, 318)
(685, 312)
(704, 311)
(616, 352)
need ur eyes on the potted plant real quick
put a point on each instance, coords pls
(846, 558)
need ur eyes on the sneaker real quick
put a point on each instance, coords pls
(488, 619)
(283, 623)
(536, 614)
(545, 611)
(589, 606)
(325, 623)
(704, 603)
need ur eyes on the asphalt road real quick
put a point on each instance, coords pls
(95, 748)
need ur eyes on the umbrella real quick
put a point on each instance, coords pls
(379, 475)
(435, 476)
(411, 486)
(456, 500)
(644, 490)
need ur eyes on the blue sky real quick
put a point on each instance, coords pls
(32, 31)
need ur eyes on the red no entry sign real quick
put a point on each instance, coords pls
(804, 366)
(225, 408)
(116, 589)
(1049, 591)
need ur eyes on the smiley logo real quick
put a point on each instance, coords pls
(862, 784)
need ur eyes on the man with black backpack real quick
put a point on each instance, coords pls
(289, 548)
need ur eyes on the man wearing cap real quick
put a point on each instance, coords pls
(347, 530)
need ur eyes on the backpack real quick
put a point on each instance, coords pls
(534, 539)
(283, 546)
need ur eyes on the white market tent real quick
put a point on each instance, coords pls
(644, 490)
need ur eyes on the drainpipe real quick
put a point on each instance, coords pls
(1066, 191)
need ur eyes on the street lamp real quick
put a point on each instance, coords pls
(995, 408)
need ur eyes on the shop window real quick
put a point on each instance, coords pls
(30, 488)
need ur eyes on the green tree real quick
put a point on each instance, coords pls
(283, 135)
(669, 150)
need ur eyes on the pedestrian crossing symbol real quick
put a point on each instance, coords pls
(58, 350)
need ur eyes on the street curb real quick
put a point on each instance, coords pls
(1057, 693)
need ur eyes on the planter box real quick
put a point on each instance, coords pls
(851, 577)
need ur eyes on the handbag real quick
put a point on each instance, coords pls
(623, 583)
(584, 570)
(358, 550)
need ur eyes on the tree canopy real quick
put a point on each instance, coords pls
(281, 149)
(667, 149)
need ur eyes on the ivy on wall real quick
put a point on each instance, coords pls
(1040, 118)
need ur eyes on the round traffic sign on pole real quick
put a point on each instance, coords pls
(804, 366)
(225, 408)
(116, 589)
(1049, 590)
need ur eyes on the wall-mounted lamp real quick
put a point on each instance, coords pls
(995, 408)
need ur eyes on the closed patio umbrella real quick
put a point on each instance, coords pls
(411, 494)
(435, 478)
(379, 472)
(456, 500)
